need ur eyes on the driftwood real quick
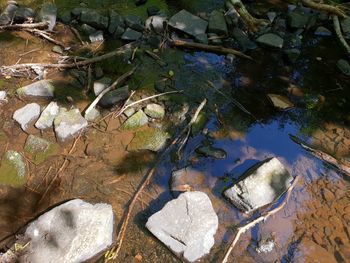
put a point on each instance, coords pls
(337, 164)
(339, 33)
(41, 25)
(210, 48)
(246, 227)
(113, 253)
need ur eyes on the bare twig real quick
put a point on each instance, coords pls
(244, 228)
(44, 35)
(41, 25)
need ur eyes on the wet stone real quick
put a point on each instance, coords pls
(131, 35)
(261, 185)
(280, 102)
(27, 114)
(135, 121)
(188, 23)
(345, 25)
(292, 54)
(155, 111)
(114, 97)
(210, 151)
(115, 21)
(41, 88)
(134, 22)
(217, 23)
(344, 67)
(186, 225)
(201, 38)
(12, 169)
(47, 116)
(322, 31)
(48, 13)
(65, 17)
(270, 40)
(94, 19)
(68, 123)
(298, 19)
(186, 179)
(148, 138)
(80, 231)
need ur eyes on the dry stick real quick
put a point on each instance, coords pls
(44, 35)
(216, 49)
(323, 156)
(30, 51)
(243, 229)
(86, 62)
(339, 33)
(63, 166)
(76, 33)
(41, 25)
(144, 183)
(121, 79)
(336, 10)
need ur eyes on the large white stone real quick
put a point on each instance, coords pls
(3, 96)
(186, 225)
(70, 233)
(41, 88)
(261, 185)
(69, 123)
(47, 116)
(25, 115)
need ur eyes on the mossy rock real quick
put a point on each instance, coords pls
(12, 169)
(149, 138)
(135, 121)
(39, 149)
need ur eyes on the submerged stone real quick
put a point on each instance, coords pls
(148, 138)
(322, 31)
(68, 123)
(271, 40)
(27, 114)
(135, 121)
(12, 169)
(260, 186)
(155, 111)
(114, 97)
(186, 225)
(344, 67)
(186, 179)
(41, 88)
(210, 151)
(188, 23)
(47, 116)
(217, 23)
(39, 148)
(78, 230)
(280, 102)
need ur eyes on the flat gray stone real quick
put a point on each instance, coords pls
(188, 23)
(131, 35)
(345, 25)
(186, 225)
(68, 123)
(217, 23)
(48, 13)
(27, 114)
(271, 40)
(298, 19)
(47, 116)
(41, 88)
(260, 186)
(69, 233)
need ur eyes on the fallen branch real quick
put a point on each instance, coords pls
(44, 35)
(332, 9)
(113, 253)
(41, 25)
(244, 228)
(120, 80)
(339, 33)
(83, 63)
(210, 48)
(323, 156)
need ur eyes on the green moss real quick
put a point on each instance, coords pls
(12, 169)
(40, 149)
(149, 138)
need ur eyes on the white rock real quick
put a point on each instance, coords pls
(70, 233)
(68, 123)
(25, 115)
(47, 116)
(186, 225)
(41, 88)
(156, 23)
(101, 85)
(262, 184)
(3, 96)
(92, 115)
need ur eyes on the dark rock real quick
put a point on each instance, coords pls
(344, 67)
(188, 23)
(201, 38)
(292, 54)
(217, 23)
(243, 40)
(98, 72)
(140, 2)
(114, 97)
(154, 41)
(7, 15)
(345, 25)
(271, 40)
(210, 151)
(23, 14)
(131, 35)
(134, 22)
(94, 19)
(65, 17)
(48, 13)
(76, 12)
(322, 31)
(152, 11)
(115, 21)
(80, 75)
(87, 30)
(298, 18)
